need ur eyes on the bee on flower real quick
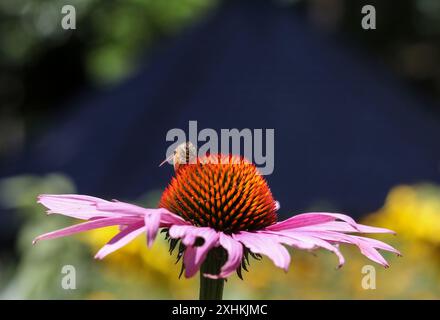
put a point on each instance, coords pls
(185, 153)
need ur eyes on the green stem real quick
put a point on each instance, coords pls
(212, 289)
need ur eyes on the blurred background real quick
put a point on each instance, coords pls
(356, 115)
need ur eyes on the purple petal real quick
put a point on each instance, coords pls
(235, 256)
(367, 246)
(308, 219)
(87, 207)
(378, 244)
(351, 239)
(368, 229)
(373, 255)
(121, 239)
(183, 232)
(73, 205)
(282, 238)
(152, 224)
(305, 240)
(266, 245)
(194, 255)
(89, 225)
(121, 208)
(340, 226)
(168, 218)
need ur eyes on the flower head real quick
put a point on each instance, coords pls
(225, 193)
(219, 203)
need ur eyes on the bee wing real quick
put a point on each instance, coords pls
(166, 160)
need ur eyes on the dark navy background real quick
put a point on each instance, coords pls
(346, 130)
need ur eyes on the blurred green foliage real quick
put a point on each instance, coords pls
(42, 65)
(113, 32)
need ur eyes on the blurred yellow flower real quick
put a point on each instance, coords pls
(153, 267)
(413, 212)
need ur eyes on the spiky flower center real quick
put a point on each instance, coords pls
(222, 192)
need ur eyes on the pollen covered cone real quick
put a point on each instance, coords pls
(223, 192)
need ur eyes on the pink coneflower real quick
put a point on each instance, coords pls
(217, 213)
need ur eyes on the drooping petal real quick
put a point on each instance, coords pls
(168, 218)
(121, 239)
(162, 215)
(87, 207)
(326, 230)
(267, 246)
(341, 226)
(378, 244)
(372, 254)
(73, 205)
(102, 213)
(338, 237)
(289, 241)
(367, 246)
(368, 229)
(85, 226)
(152, 224)
(308, 219)
(194, 254)
(120, 207)
(303, 240)
(235, 256)
(183, 232)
